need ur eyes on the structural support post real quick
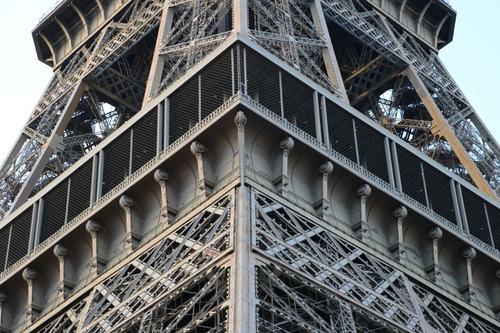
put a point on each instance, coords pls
(197, 149)
(161, 177)
(95, 263)
(29, 276)
(360, 227)
(242, 312)
(53, 144)
(286, 145)
(63, 289)
(240, 12)
(323, 204)
(329, 57)
(433, 270)
(154, 78)
(398, 249)
(468, 289)
(443, 129)
(131, 238)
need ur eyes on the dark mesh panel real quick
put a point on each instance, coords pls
(183, 109)
(476, 216)
(54, 210)
(341, 131)
(372, 150)
(4, 242)
(116, 162)
(79, 193)
(411, 175)
(494, 217)
(298, 103)
(263, 81)
(21, 227)
(144, 147)
(215, 84)
(439, 192)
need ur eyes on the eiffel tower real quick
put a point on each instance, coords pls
(250, 166)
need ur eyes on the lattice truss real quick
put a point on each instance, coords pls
(312, 280)
(192, 30)
(114, 66)
(288, 30)
(179, 284)
(373, 57)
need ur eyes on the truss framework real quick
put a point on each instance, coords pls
(307, 279)
(179, 283)
(311, 279)
(297, 32)
(454, 119)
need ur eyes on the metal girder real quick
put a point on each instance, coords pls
(30, 155)
(310, 278)
(160, 288)
(471, 142)
(295, 31)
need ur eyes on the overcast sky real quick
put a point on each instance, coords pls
(471, 59)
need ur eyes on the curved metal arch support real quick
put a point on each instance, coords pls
(421, 17)
(49, 45)
(101, 9)
(438, 30)
(402, 9)
(82, 18)
(66, 32)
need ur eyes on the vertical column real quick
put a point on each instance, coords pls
(360, 227)
(397, 174)
(240, 12)
(60, 251)
(433, 269)
(92, 228)
(317, 117)
(29, 276)
(241, 120)
(242, 312)
(323, 204)
(286, 145)
(324, 122)
(159, 129)
(161, 176)
(398, 249)
(131, 238)
(468, 289)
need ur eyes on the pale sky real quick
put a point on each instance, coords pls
(471, 59)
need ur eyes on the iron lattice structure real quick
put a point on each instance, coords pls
(247, 166)
(349, 47)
